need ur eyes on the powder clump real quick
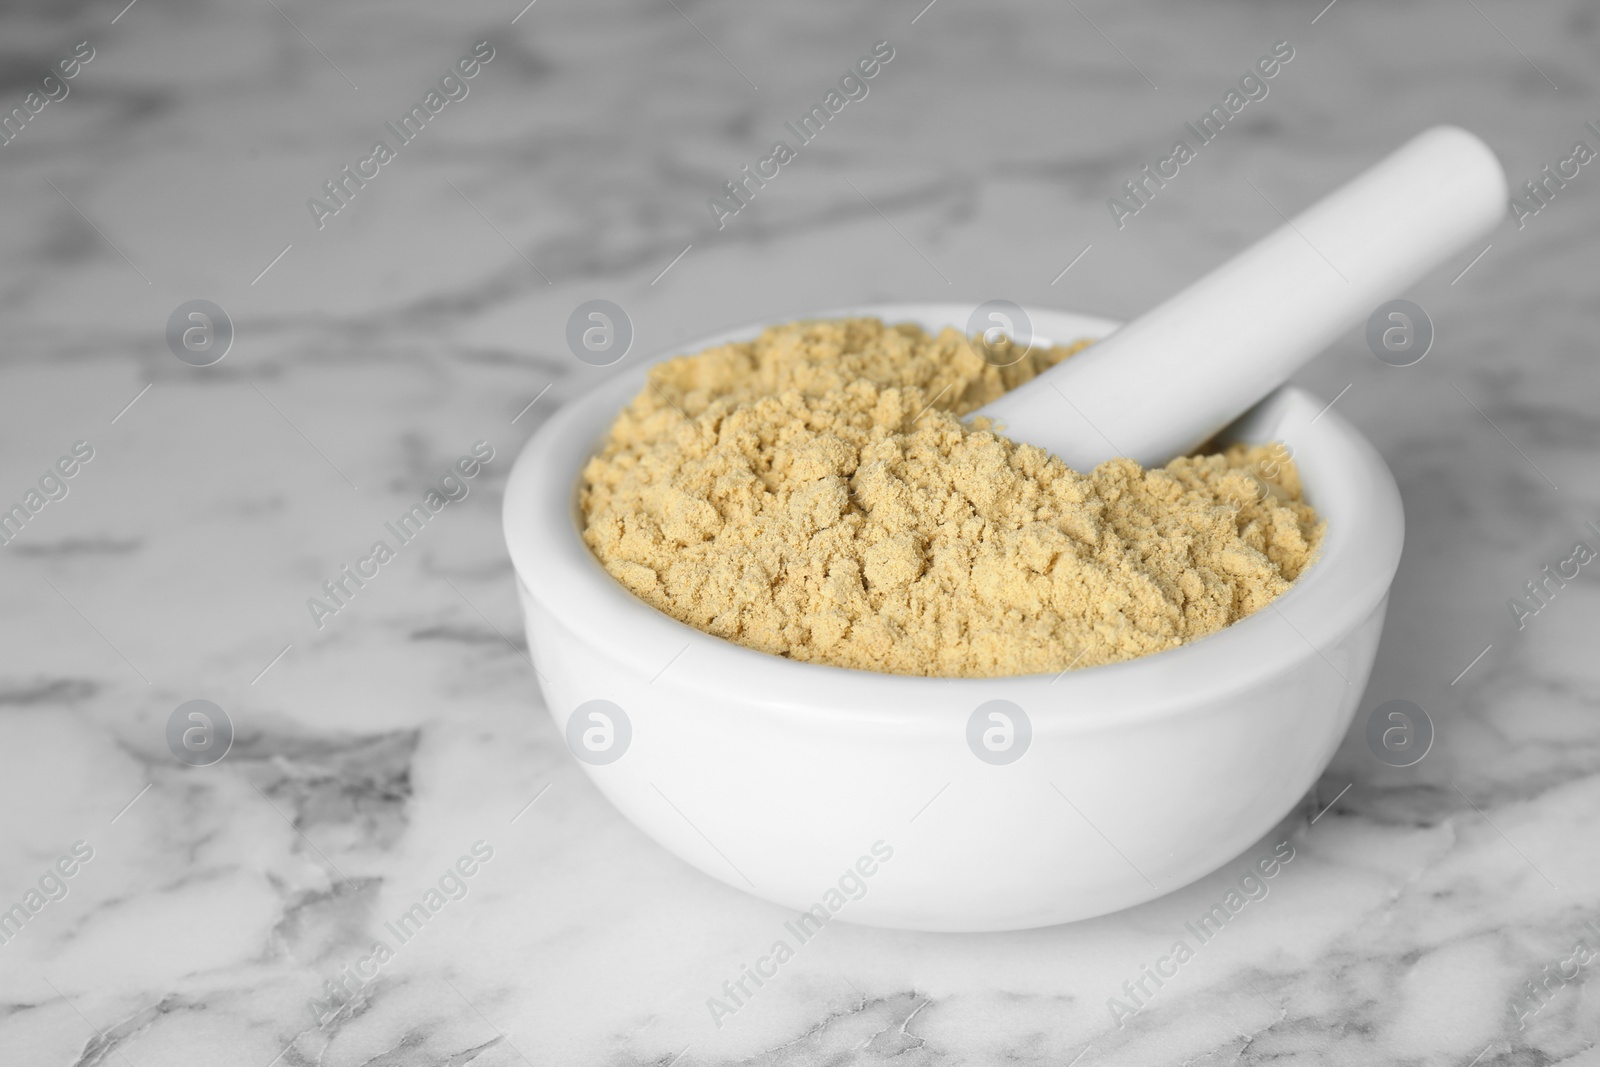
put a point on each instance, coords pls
(814, 494)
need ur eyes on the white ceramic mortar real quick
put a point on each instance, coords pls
(774, 776)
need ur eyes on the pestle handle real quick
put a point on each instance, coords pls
(1161, 385)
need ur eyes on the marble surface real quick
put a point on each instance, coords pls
(380, 750)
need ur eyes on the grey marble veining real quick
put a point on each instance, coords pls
(383, 748)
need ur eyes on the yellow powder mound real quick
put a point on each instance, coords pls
(813, 494)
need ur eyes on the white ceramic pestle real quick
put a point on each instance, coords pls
(1164, 383)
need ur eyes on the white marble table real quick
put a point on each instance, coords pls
(377, 751)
